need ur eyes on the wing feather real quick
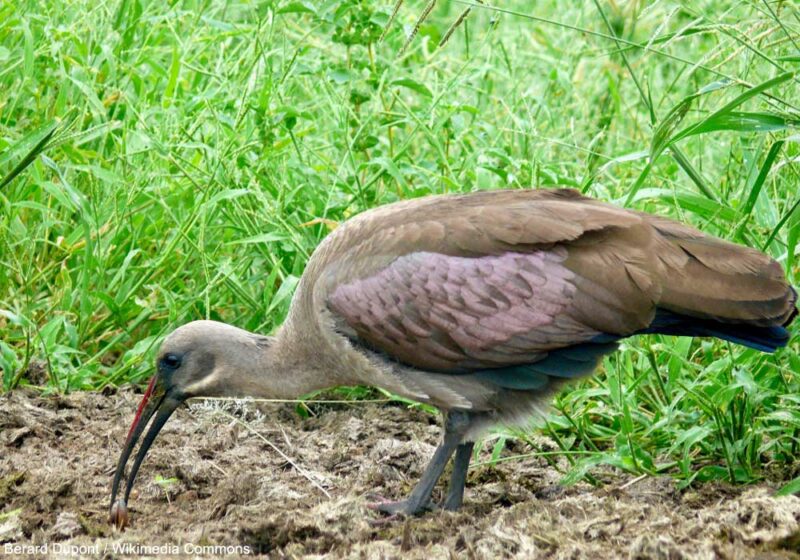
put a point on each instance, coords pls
(497, 279)
(472, 320)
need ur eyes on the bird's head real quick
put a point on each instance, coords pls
(199, 359)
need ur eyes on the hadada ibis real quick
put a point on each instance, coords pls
(481, 304)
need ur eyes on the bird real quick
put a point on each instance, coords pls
(481, 304)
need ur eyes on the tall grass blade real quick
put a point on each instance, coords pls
(35, 143)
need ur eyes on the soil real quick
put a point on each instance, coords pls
(239, 477)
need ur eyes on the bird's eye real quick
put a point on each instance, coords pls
(171, 361)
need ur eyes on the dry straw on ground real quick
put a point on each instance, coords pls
(209, 480)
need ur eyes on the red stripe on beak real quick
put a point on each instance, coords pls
(142, 404)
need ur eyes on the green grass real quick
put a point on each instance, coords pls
(164, 162)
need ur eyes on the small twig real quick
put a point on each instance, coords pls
(220, 469)
(422, 17)
(456, 24)
(286, 438)
(391, 19)
(453, 27)
(632, 482)
(275, 448)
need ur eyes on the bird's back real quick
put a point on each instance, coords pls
(510, 290)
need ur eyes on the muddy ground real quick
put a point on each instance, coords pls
(216, 479)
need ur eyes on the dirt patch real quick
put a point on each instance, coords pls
(214, 481)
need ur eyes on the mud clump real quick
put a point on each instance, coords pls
(214, 479)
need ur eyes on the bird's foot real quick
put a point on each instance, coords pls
(395, 510)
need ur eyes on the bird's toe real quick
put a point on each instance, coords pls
(396, 509)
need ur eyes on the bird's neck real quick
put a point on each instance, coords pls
(278, 371)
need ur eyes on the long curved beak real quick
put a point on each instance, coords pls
(155, 402)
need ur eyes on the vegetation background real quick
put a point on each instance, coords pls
(168, 161)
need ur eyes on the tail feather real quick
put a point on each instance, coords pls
(763, 338)
(709, 278)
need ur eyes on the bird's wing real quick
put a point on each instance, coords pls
(496, 282)
(708, 277)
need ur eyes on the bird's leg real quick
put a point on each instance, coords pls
(455, 426)
(455, 494)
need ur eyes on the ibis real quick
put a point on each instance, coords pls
(481, 304)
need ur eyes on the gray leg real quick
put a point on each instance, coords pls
(455, 495)
(455, 426)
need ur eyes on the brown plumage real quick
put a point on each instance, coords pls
(481, 304)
